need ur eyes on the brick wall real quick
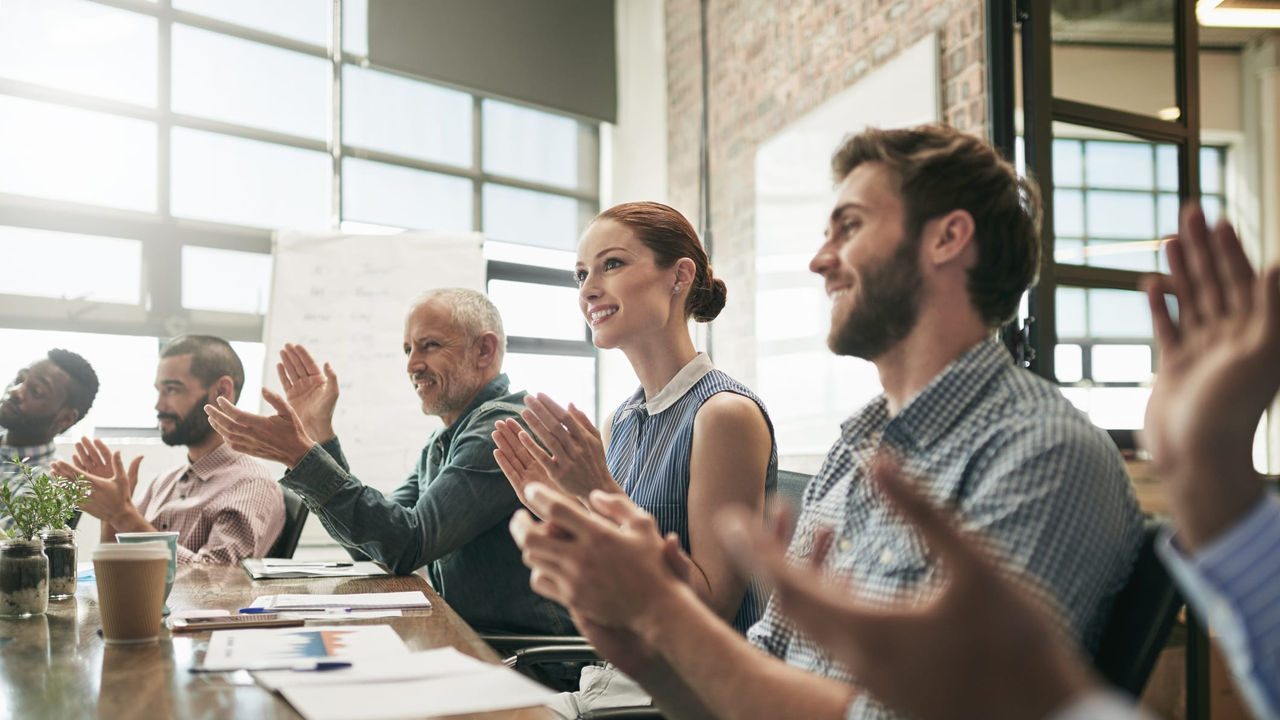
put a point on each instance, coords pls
(771, 62)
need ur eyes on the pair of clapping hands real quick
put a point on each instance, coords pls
(304, 416)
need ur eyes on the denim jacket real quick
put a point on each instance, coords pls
(450, 515)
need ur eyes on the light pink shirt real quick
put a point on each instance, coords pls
(224, 507)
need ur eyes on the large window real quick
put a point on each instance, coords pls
(148, 150)
(1115, 200)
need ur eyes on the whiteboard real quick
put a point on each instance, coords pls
(345, 297)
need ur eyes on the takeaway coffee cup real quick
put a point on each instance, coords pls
(170, 539)
(130, 581)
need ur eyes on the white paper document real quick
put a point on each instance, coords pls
(354, 601)
(492, 687)
(283, 647)
(423, 665)
(271, 568)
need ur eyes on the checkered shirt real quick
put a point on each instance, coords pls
(224, 507)
(1013, 458)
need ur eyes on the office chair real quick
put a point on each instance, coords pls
(1140, 621)
(295, 516)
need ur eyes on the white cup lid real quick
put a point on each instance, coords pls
(132, 551)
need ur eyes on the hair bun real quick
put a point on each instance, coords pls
(707, 301)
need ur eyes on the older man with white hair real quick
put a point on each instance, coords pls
(451, 513)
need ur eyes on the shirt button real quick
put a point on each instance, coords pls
(886, 556)
(164, 526)
(845, 545)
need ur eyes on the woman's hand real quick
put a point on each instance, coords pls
(576, 462)
(517, 463)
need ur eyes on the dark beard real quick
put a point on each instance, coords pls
(192, 429)
(25, 426)
(885, 309)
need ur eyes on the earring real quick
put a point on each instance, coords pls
(676, 289)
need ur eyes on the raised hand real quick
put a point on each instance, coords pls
(93, 457)
(279, 437)
(576, 461)
(111, 493)
(517, 463)
(312, 393)
(1219, 369)
(982, 644)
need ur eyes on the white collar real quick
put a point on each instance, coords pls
(676, 388)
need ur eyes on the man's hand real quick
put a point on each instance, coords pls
(979, 646)
(93, 457)
(110, 496)
(610, 567)
(312, 393)
(576, 462)
(280, 437)
(1219, 369)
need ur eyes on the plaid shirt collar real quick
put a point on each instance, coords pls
(925, 417)
(206, 467)
(31, 454)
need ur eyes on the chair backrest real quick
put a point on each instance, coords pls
(1140, 621)
(790, 490)
(295, 516)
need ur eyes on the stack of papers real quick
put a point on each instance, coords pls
(431, 683)
(270, 568)
(287, 647)
(351, 601)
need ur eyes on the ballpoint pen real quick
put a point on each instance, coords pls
(306, 666)
(261, 610)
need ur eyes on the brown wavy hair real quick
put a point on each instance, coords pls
(670, 236)
(940, 169)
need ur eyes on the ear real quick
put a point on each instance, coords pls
(224, 387)
(949, 239)
(486, 350)
(65, 418)
(686, 271)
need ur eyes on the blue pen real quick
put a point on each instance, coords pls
(260, 610)
(320, 666)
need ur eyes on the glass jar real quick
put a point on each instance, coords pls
(60, 548)
(24, 578)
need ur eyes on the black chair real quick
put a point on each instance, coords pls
(1140, 621)
(295, 516)
(790, 490)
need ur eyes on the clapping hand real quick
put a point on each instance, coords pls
(575, 463)
(111, 486)
(1219, 369)
(279, 437)
(517, 463)
(312, 394)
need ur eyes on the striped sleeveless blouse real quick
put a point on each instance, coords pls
(648, 454)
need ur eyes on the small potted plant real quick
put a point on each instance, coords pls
(24, 568)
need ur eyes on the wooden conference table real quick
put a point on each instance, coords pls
(57, 667)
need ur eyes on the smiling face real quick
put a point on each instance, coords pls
(33, 402)
(181, 401)
(441, 361)
(623, 294)
(871, 270)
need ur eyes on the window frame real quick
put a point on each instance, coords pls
(160, 312)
